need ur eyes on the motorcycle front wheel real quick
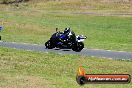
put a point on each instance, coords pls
(78, 46)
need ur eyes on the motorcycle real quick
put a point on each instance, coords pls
(61, 41)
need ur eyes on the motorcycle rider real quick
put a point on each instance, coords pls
(70, 35)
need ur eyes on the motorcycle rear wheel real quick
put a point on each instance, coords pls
(49, 45)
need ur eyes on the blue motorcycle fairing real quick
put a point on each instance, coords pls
(63, 37)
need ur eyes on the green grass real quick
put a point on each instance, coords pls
(36, 26)
(33, 69)
(35, 22)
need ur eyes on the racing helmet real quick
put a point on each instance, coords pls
(67, 30)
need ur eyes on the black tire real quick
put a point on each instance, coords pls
(78, 46)
(49, 45)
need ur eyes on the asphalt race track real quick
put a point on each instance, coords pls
(85, 52)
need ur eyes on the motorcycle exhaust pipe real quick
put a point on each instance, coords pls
(85, 37)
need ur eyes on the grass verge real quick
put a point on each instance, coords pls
(36, 69)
